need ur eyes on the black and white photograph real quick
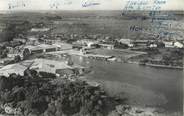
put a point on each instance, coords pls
(91, 57)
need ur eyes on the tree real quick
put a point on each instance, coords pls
(26, 53)
(17, 58)
(4, 53)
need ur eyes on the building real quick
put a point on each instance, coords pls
(153, 45)
(49, 66)
(126, 42)
(168, 44)
(107, 46)
(42, 48)
(87, 42)
(4, 61)
(178, 45)
(32, 41)
(14, 55)
(141, 42)
(39, 29)
(63, 46)
(13, 68)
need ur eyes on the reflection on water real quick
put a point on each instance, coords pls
(142, 85)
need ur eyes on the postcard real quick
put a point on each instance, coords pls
(91, 57)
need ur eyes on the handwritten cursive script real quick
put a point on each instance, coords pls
(89, 3)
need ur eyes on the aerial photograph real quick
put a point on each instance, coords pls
(91, 57)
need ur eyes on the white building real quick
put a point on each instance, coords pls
(168, 44)
(107, 46)
(50, 66)
(178, 45)
(126, 42)
(13, 68)
(153, 45)
(39, 29)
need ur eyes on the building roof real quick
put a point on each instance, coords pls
(106, 44)
(40, 47)
(50, 66)
(63, 45)
(13, 68)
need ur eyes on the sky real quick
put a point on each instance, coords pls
(80, 4)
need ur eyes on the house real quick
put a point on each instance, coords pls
(14, 55)
(168, 44)
(107, 46)
(34, 49)
(22, 40)
(51, 41)
(153, 45)
(32, 41)
(178, 45)
(4, 61)
(63, 46)
(141, 42)
(87, 43)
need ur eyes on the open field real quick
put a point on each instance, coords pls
(110, 23)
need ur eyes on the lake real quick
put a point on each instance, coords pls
(144, 86)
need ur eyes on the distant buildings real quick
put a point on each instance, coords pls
(169, 44)
(39, 29)
(86, 42)
(4, 61)
(41, 48)
(107, 46)
(22, 40)
(63, 46)
(173, 44)
(59, 68)
(32, 41)
(153, 45)
(178, 44)
(127, 42)
(49, 66)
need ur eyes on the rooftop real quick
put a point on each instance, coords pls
(13, 68)
(50, 66)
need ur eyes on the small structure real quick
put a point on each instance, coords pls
(178, 45)
(168, 44)
(126, 42)
(141, 42)
(42, 48)
(14, 55)
(153, 45)
(49, 66)
(88, 43)
(19, 40)
(107, 46)
(39, 29)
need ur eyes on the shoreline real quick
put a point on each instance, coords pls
(156, 65)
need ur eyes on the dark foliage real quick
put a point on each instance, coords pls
(36, 95)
